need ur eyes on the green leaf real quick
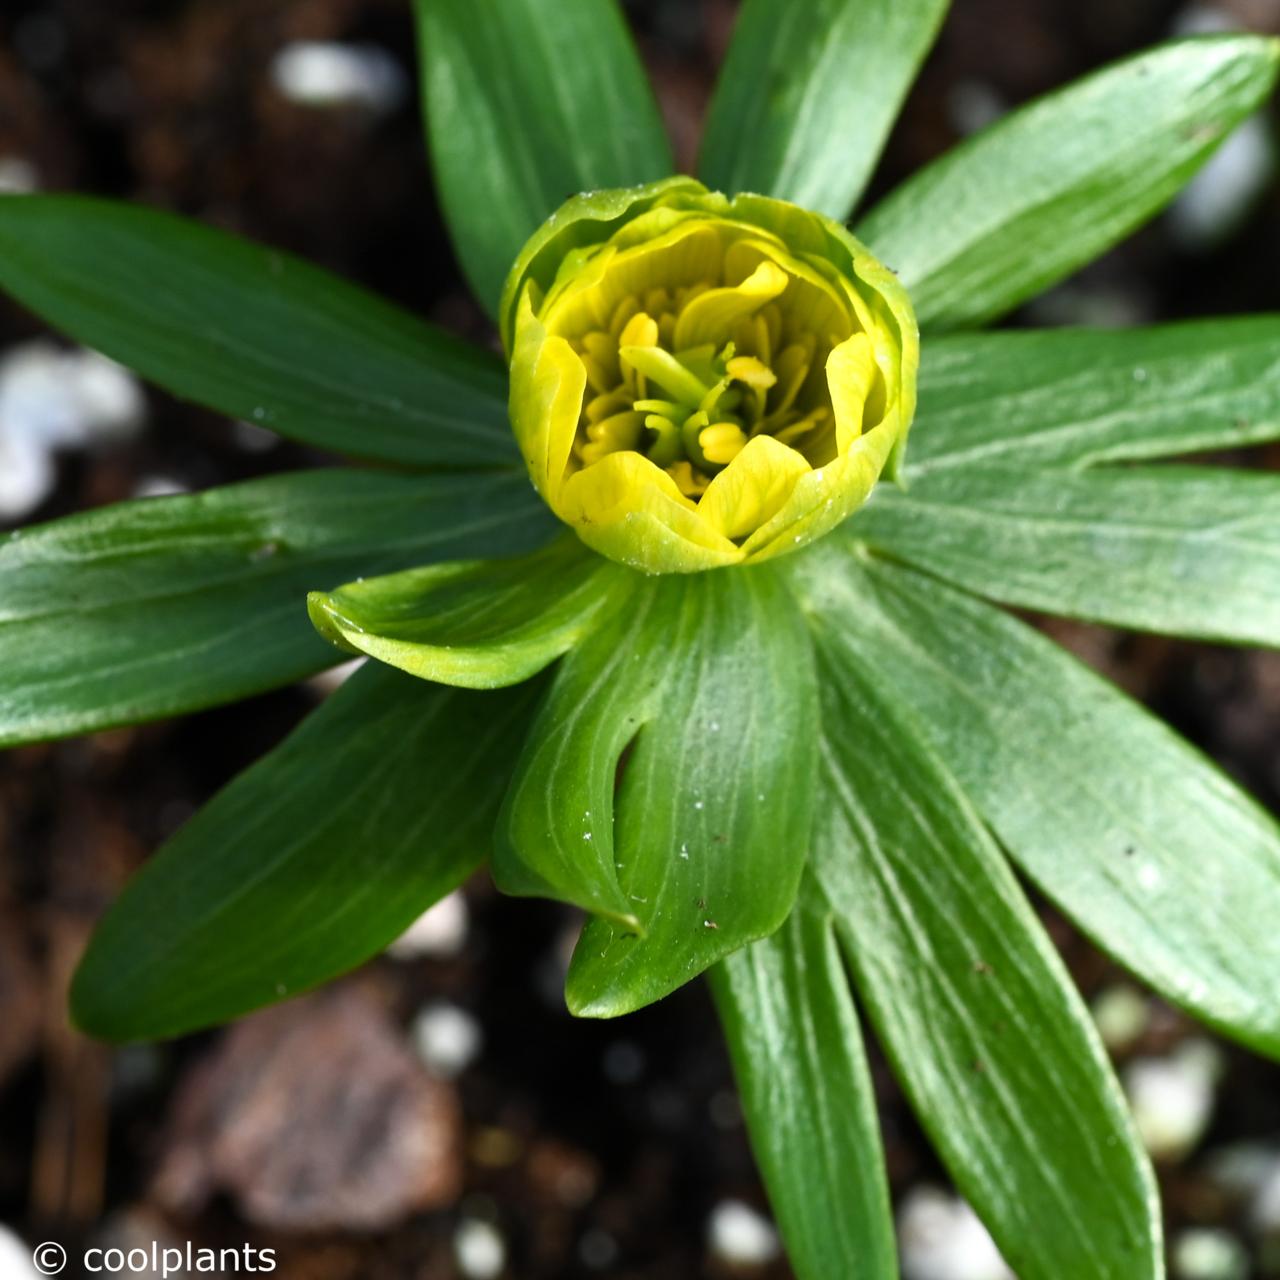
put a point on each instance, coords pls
(309, 862)
(528, 103)
(1150, 849)
(476, 623)
(1076, 397)
(699, 689)
(1046, 190)
(1180, 550)
(974, 1008)
(808, 94)
(793, 1036)
(162, 606)
(254, 333)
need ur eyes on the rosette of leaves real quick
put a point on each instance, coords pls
(810, 777)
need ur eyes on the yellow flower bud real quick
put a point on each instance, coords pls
(698, 381)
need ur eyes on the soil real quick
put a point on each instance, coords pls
(593, 1148)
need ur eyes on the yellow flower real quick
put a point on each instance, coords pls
(698, 381)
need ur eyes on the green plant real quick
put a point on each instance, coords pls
(790, 774)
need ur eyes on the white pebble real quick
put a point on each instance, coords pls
(253, 438)
(1264, 1208)
(1222, 195)
(157, 486)
(55, 398)
(447, 1039)
(441, 930)
(15, 1257)
(18, 176)
(740, 1236)
(974, 105)
(1172, 1097)
(110, 397)
(1242, 1169)
(1202, 1253)
(1203, 20)
(324, 683)
(318, 73)
(1121, 1014)
(27, 476)
(67, 398)
(479, 1249)
(941, 1238)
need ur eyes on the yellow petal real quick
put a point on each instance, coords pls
(632, 511)
(752, 488)
(851, 371)
(710, 317)
(547, 385)
(823, 498)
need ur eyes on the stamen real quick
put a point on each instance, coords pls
(668, 445)
(602, 406)
(687, 375)
(663, 368)
(621, 314)
(597, 375)
(797, 430)
(667, 408)
(656, 301)
(755, 373)
(640, 330)
(690, 482)
(611, 435)
(722, 442)
(792, 369)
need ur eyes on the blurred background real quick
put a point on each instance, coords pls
(438, 1114)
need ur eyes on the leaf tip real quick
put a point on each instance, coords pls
(328, 621)
(92, 1005)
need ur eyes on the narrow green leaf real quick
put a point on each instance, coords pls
(977, 1013)
(254, 333)
(529, 102)
(1180, 550)
(1075, 397)
(162, 606)
(808, 94)
(793, 1036)
(699, 688)
(1022, 204)
(1150, 849)
(476, 623)
(309, 862)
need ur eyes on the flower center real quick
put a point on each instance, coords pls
(687, 371)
